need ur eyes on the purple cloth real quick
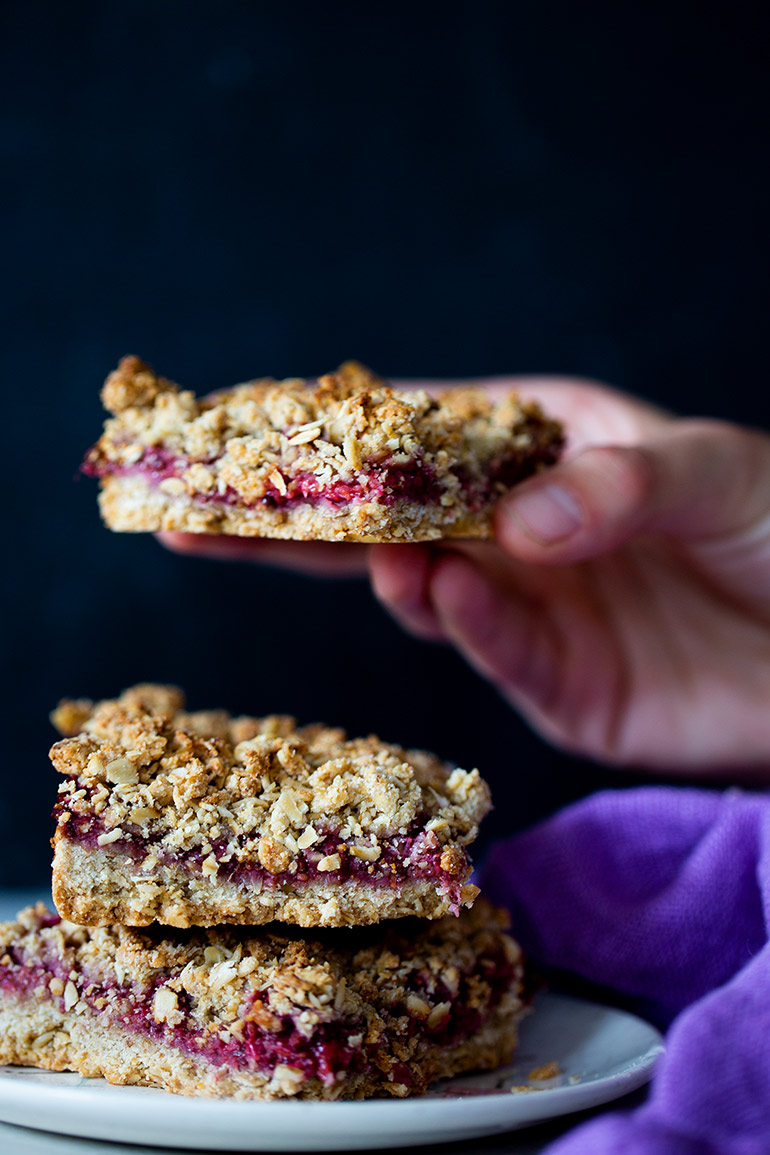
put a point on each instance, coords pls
(663, 895)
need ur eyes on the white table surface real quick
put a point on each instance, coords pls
(22, 1141)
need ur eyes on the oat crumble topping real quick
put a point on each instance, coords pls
(170, 460)
(349, 417)
(253, 790)
(312, 976)
(366, 1000)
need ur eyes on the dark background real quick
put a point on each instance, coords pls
(243, 188)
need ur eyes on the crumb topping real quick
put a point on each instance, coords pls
(253, 789)
(214, 981)
(263, 439)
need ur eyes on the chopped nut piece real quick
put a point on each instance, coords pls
(276, 477)
(173, 486)
(289, 806)
(330, 862)
(439, 1013)
(222, 974)
(95, 766)
(307, 433)
(110, 836)
(165, 1007)
(307, 838)
(141, 814)
(122, 772)
(352, 450)
(366, 853)
(417, 1006)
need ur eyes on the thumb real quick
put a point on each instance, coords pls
(700, 481)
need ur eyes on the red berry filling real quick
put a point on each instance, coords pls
(334, 1047)
(381, 482)
(402, 858)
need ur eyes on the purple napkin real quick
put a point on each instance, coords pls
(663, 895)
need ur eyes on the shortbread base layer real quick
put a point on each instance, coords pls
(35, 1033)
(129, 504)
(96, 887)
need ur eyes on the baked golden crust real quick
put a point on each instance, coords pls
(345, 459)
(261, 1014)
(280, 815)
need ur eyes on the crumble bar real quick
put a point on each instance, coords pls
(197, 819)
(261, 1014)
(346, 459)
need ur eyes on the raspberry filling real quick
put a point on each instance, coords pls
(332, 1048)
(382, 482)
(402, 858)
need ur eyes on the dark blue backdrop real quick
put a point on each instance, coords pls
(243, 188)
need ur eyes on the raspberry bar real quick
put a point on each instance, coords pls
(346, 459)
(197, 819)
(261, 1014)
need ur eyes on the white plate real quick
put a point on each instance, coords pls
(602, 1054)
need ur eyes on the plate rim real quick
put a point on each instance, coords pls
(465, 1114)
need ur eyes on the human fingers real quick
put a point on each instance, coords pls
(400, 576)
(592, 413)
(702, 482)
(319, 559)
(502, 633)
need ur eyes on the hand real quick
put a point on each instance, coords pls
(315, 558)
(321, 559)
(625, 608)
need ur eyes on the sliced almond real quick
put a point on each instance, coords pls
(366, 853)
(110, 836)
(122, 772)
(307, 838)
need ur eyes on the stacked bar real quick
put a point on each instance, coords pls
(199, 819)
(207, 826)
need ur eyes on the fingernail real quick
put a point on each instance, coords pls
(548, 514)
